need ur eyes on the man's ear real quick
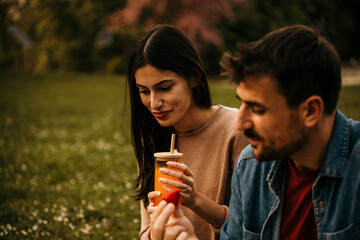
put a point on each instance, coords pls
(312, 110)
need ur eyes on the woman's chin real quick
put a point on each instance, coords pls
(165, 124)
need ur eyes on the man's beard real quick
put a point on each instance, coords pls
(269, 152)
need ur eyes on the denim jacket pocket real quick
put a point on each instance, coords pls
(248, 235)
(351, 232)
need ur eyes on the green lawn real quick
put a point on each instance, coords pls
(67, 170)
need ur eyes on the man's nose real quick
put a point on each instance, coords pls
(243, 120)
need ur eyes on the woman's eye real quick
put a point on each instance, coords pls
(165, 88)
(144, 91)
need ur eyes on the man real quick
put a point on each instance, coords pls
(300, 176)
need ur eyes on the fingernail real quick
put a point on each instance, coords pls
(161, 179)
(170, 206)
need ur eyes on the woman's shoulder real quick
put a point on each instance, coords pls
(227, 112)
(224, 119)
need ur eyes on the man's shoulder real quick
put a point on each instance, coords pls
(247, 153)
(355, 131)
(247, 160)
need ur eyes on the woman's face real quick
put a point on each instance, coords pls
(166, 94)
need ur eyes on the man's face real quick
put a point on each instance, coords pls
(274, 130)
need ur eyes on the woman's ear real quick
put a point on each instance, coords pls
(195, 77)
(313, 109)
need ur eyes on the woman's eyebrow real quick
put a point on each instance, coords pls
(159, 83)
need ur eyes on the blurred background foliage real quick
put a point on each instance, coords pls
(98, 36)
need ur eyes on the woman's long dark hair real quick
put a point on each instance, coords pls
(166, 48)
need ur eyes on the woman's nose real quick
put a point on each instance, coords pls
(156, 101)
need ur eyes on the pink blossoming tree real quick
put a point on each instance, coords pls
(198, 18)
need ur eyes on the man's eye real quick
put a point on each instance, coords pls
(258, 110)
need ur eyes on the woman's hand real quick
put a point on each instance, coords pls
(186, 184)
(168, 222)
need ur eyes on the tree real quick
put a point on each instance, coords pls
(198, 18)
(337, 20)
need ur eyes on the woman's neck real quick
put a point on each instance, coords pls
(194, 119)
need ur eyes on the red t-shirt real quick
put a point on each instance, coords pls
(298, 220)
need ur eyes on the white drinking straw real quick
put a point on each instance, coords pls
(172, 143)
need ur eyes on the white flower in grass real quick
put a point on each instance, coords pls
(128, 185)
(24, 232)
(86, 230)
(80, 214)
(91, 207)
(8, 227)
(71, 226)
(35, 227)
(23, 167)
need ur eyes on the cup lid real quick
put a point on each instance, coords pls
(168, 155)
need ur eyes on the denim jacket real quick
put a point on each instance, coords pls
(257, 189)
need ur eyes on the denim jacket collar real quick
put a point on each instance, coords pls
(333, 166)
(337, 153)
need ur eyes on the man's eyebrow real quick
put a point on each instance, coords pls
(251, 103)
(255, 104)
(159, 83)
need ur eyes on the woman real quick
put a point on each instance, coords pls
(169, 94)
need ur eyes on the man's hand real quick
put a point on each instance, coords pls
(168, 223)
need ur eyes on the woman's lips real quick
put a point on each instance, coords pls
(161, 115)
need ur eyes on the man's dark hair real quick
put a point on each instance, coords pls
(302, 62)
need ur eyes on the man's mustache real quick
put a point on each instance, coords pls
(250, 133)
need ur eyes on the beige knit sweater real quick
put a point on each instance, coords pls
(210, 152)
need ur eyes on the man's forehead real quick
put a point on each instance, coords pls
(262, 89)
(259, 83)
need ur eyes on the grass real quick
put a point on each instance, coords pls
(67, 169)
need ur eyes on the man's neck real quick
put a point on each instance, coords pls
(313, 154)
